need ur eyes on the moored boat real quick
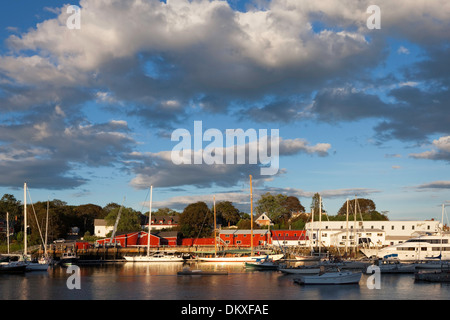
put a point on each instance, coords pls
(301, 270)
(156, 257)
(263, 264)
(436, 276)
(239, 258)
(68, 259)
(393, 265)
(12, 267)
(334, 278)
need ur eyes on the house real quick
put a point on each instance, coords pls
(101, 229)
(160, 222)
(263, 220)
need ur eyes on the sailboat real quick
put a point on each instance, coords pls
(156, 256)
(338, 277)
(41, 265)
(247, 256)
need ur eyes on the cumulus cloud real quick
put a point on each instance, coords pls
(440, 151)
(241, 198)
(287, 61)
(43, 149)
(159, 169)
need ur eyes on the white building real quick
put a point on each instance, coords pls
(101, 229)
(377, 233)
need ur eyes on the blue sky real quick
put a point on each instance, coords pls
(86, 115)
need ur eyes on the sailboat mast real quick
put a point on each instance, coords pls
(25, 249)
(215, 228)
(311, 240)
(442, 232)
(46, 231)
(251, 215)
(320, 224)
(354, 230)
(149, 221)
(7, 228)
(346, 239)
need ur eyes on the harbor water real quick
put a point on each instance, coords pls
(159, 281)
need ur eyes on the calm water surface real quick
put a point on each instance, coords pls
(136, 281)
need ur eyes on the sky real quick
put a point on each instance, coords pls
(90, 101)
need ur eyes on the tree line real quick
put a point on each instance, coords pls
(195, 221)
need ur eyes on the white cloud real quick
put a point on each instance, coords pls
(402, 50)
(440, 151)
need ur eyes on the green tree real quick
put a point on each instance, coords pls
(130, 220)
(292, 204)
(196, 220)
(273, 206)
(227, 213)
(84, 216)
(245, 224)
(363, 206)
(164, 212)
(317, 204)
(8, 203)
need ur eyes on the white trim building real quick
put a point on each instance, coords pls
(100, 228)
(380, 233)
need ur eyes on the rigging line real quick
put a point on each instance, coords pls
(142, 208)
(201, 226)
(35, 216)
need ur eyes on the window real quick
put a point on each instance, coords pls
(238, 241)
(428, 227)
(412, 227)
(382, 227)
(403, 227)
(392, 227)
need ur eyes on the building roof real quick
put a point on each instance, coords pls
(100, 222)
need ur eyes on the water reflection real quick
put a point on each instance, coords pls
(159, 281)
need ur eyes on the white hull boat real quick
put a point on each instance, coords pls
(36, 266)
(433, 265)
(394, 266)
(157, 257)
(263, 264)
(341, 277)
(274, 257)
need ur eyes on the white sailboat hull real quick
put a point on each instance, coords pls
(153, 259)
(331, 278)
(274, 257)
